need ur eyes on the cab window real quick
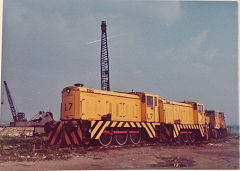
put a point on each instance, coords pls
(155, 101)
(195, 106)
(199, 108)
(143, 98)
(149, 100)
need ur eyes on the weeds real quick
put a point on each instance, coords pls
(31, 149)
(37, 149)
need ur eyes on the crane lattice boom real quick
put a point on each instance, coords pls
(105, 84)
(12, 107)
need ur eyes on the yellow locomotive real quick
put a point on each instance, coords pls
(216, 123)
(89, 115)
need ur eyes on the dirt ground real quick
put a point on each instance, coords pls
(214, 155)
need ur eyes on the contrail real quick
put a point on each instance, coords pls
(100, 39)
(93, 42)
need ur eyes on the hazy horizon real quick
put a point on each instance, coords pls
(180, 50)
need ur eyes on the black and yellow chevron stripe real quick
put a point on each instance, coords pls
(60, 134)
(54, 136)
(71, 132)
(178, 127)
(97, 127)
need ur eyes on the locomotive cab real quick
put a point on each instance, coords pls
(216, 123)
(201, 113)
(216, 119)
(198, 113)
(152, 108)
(222, 120)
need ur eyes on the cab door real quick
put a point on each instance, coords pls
(152, 109)
(201, 114)
(156, 109)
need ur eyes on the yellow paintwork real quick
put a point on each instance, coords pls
(222, 121)
(207, 120)
(175, 112)
(70, 106)
(201, 114)
(92, 104)
(215, 120)
(152, 111)
(198, 115)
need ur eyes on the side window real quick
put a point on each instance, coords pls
(155, 101)
(195, 106)
(143, 98)
(149, 100)
(199, 108)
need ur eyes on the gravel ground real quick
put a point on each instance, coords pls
(215, 155)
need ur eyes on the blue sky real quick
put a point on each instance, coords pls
(179, 50)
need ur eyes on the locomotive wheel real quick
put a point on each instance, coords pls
(178, 140)
(221, 133)
(217, 135)
(121, 139)
(214, 133)
(185, 138)
(224, 133)
(192, 138)
(105, 139)
(135, 138)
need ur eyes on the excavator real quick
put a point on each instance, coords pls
(38, 125)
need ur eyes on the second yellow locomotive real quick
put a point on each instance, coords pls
(216, 123)
(89, 115)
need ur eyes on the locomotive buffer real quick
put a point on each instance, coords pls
(105, 84)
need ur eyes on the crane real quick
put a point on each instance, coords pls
(105, 84)
(40, 123)
(17, 117)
